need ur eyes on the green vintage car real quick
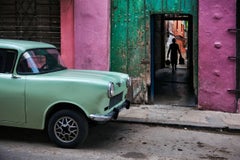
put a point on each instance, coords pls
(37, 91)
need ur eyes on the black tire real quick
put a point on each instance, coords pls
(67, 128)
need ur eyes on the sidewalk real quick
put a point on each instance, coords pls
(185, 116)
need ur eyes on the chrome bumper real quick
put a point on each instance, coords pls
(111, 115)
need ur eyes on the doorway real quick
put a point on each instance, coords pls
(172, 87)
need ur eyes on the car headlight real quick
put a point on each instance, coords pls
(110, 89)
(128, 82)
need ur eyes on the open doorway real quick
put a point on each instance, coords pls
(167, 86)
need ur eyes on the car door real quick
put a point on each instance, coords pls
(12, 90)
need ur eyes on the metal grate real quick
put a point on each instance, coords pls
(115, 100)
(37, 20)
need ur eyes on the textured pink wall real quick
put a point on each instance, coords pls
(67, 34)
(216, 72)
(92, 34)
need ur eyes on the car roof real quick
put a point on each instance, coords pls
(23, 45)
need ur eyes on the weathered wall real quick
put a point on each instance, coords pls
(216, 72)
(67, 32)
(88, 35)
(91, 31)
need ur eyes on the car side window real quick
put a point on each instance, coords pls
(38, 61)
(27, 64)
(7, 60)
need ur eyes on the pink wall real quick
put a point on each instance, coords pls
(216, 72)
(85, 44)
(91, 30)
(67, 32)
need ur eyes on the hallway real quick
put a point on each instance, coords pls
(174, 88)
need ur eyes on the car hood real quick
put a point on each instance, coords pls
(88, 76)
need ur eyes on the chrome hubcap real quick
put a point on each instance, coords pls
(66, 129)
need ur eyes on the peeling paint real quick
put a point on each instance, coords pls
(131, 32)
(89, 35)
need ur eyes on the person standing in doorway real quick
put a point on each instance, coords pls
(174, 49)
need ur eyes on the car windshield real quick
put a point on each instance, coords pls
(39, 61)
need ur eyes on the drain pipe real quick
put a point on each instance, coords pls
(238, 53)
(237, 58)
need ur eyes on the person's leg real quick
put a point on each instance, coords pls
(173, 67)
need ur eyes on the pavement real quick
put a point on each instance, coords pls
(180, 116)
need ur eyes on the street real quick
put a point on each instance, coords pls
(124, 141)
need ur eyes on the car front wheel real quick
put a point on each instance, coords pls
(67, 128)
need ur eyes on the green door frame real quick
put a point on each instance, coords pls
(131, 38)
